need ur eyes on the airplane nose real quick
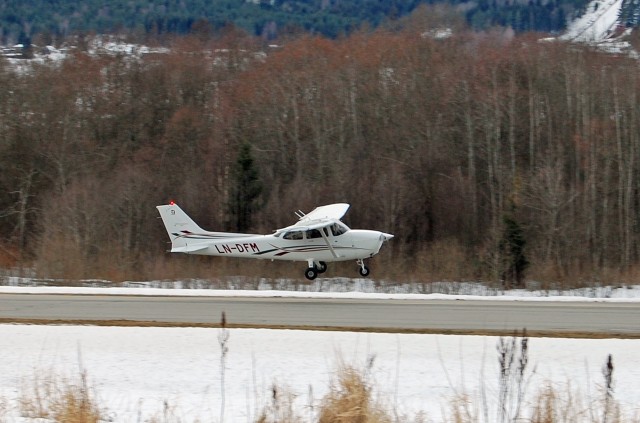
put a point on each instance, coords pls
(385, 236)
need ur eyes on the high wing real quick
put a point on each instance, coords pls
(329, 212)
(320, 217)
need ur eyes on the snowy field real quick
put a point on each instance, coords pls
(137, 371)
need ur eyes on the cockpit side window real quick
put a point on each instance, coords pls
(337, 229)
(313, 233)
(294, 235)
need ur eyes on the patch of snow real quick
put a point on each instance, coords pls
(339, 287)
(631, 294)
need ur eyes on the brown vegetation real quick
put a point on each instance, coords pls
(438, 141)
(60, 401)
(351, 400)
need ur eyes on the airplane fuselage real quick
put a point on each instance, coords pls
(352, 245)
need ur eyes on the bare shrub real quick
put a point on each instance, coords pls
(61, 400)
(350, 400)
(551, 405)
(463, 410)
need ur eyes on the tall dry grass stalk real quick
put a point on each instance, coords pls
(4, 409)
(223, 340)
(513, 358)
(60, 401)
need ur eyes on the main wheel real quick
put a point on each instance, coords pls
(364, 271)
(311, 273)
(321, 267)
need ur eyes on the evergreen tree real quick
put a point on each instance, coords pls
(512, 250)
(246, 190)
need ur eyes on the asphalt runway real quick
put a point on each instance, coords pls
(434, 316)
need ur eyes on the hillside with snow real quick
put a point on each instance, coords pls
(597, 24)
(601, 26)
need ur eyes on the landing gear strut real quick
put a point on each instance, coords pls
(315, 269)
(363, 270)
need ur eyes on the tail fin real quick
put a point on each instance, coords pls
(186, 236)
(177, 223)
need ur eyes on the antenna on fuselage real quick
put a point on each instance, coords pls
(300, 214)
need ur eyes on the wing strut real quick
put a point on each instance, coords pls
(324, 236)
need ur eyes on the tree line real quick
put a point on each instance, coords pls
(489, 156)
(41, 21)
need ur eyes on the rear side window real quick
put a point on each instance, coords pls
(313, 233)
(293, 235)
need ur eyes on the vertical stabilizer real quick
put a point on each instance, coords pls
(177, 223)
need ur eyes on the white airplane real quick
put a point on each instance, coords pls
(318, 237)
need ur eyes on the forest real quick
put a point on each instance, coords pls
(489, 156)
(52, 21)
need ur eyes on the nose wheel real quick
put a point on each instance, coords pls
(363, 270)
(321, 267)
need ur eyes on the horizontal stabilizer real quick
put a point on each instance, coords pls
(189, 248)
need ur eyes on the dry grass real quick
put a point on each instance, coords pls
(462, 409)
(567, 405)
(60, 400)
(350, 400)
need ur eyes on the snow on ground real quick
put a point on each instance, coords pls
(336, 287)
(136, 370)
(522, 296)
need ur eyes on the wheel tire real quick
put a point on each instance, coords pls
(321, 267)
(311, 273)
(364, 271)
